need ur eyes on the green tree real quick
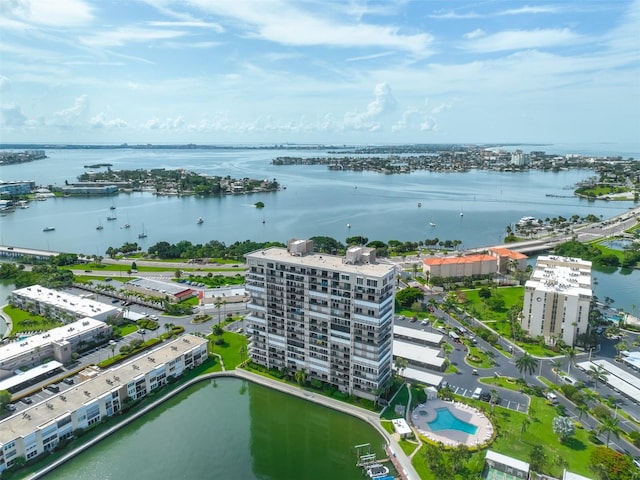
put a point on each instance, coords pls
(407, 296)
(598, 374)
(5, 398)
(609, 425)
(537, 458)
(527, 364)
(563, 427)
(300, 376)
(608, 464)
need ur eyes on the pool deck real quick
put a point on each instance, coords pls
(425, 413)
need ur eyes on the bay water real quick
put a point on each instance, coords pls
(230, 429)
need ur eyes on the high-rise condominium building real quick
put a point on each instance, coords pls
(330, 316)
(557, 299)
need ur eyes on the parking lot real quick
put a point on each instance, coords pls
(504, 402)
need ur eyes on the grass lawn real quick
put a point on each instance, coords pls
(128, 328)
(24, 321)
(230, 351)
(478, 358)
(511, 441)
(401, 398)
(513, 296)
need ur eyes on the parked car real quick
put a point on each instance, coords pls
(27, 400)
(68, 380)
(485, 396)
(11, 407)
(54, 388)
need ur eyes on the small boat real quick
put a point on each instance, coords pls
(112, 207)
(199, 221)
(419, 204)
(377, 470)
(142, 234)
(126, 225)
(461, 214)
(112, 217)
(99, 227)
(431, 224)
(48, 229)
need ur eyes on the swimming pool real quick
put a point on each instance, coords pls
(445, 420)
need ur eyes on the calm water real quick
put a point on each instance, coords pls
(317, 201)
(229, 430)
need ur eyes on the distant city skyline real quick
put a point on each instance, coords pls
(276, 71)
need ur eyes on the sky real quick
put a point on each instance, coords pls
(319, 71)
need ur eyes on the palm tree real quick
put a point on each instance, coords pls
(582, 409)
(218, 304)
(597, 373)
(570, 354)
(556, 366)
(527, 364)
(300, 377)
(401, 364)
(525, 424)
(610, 425)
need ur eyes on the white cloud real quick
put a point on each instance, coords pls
(122, 36)
(58, 13)
(101, 121)
(522, 39)
(287, 23)
(383, 104)
(155, 123)
(12, 116)
(5, 83)
(75, 115)
(478, 32)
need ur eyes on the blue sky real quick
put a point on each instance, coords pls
(255, 71)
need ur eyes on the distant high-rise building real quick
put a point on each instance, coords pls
(519, 158)
(557, 299)
(330, 316)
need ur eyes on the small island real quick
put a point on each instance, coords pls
(174, 182)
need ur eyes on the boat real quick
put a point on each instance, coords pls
(377, 470)
(99, 227)
(142, 234)
(126, 225)
(199, 221)
(461, 214)
(112, 207)
(112, 217)
(48, 229)
(431, 224)
(419, 204)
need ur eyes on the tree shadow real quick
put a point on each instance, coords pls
(574, 444)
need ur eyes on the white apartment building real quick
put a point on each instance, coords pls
(39, 428)
(557, 299)
(59, 305)
(327, 315)
(57, 344)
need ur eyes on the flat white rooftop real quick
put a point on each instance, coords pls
(632, 359)
(57, 334)
(171, 288)
(426, 337)
(421, 376)
(72, 399)
(401, 426)
(614, 379)
(561, 274)
(81, 306)
(418, 353)
(323, 261)
(506, 460)
(573, 476)
(30, 374)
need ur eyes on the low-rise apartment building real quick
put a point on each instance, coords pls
(57, 344)
(59, 305)
(39, 428)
